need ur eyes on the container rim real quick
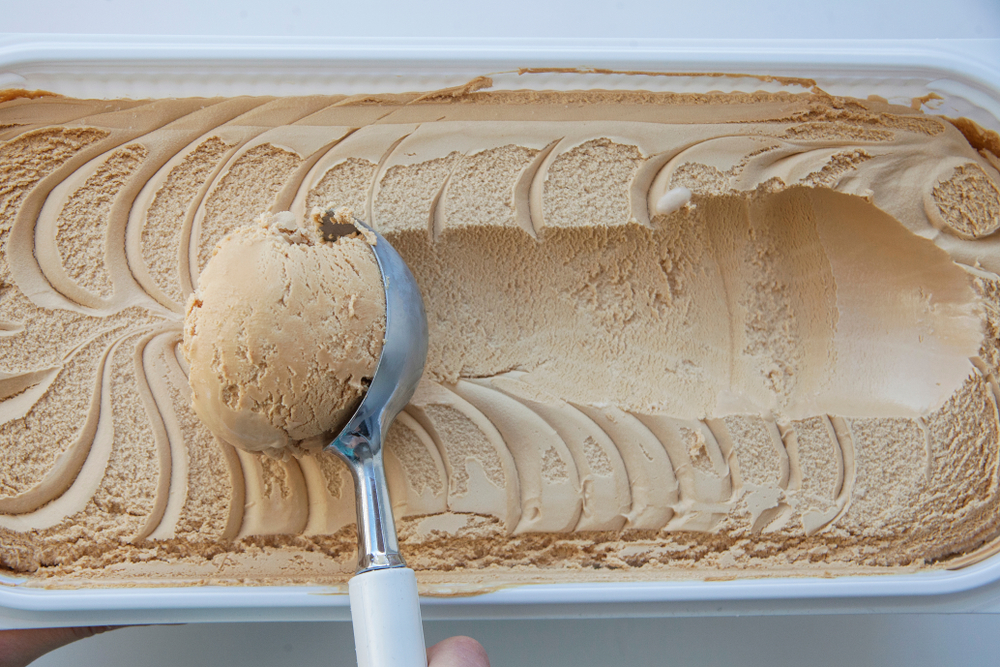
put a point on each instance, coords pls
(970, 67)
(973, 60)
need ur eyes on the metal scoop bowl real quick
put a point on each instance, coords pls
(385, 608)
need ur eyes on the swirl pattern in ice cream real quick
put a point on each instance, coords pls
(799, 366)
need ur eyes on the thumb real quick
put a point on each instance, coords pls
(21, 647)
(457, 652)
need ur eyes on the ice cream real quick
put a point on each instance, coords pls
(671, 336)
(282, 335)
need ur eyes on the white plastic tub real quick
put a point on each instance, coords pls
(964, 73)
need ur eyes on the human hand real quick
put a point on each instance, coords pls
(457, 652)
(21, 647)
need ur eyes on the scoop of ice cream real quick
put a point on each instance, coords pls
(283, 335)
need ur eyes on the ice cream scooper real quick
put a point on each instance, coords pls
(385, 608)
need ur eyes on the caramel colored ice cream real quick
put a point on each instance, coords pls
(282, 335)
(671, 336)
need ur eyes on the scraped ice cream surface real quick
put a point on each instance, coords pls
(672, 336)
(282, 335)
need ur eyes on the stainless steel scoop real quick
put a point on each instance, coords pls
(385, 608)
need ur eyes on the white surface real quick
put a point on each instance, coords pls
(885, 640)
(385, 612)
(815, 641)
(876, 19)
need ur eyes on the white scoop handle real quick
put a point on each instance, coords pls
(386, 614)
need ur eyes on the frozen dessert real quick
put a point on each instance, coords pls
(671, 336)
(282, 335)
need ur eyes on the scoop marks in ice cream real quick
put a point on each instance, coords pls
(283, 334)
(671, 336)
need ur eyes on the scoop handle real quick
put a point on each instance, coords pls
(386, 612)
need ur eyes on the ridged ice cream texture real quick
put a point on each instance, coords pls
(791, 371)
(283, 335)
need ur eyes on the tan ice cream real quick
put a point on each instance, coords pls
(671, 336)
(282, 335)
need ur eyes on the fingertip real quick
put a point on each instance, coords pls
(457, 652)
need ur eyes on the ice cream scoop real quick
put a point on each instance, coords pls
(384, 603)
(282, 335)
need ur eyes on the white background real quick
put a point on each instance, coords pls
(770, 19)
(886, 640)
(774, 641)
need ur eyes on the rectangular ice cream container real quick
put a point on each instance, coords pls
(962, 73)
